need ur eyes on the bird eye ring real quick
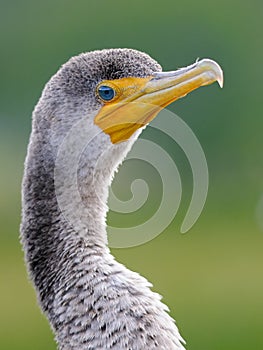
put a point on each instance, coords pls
(106, 93)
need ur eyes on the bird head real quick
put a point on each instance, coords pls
(125, 86)
(118, 92)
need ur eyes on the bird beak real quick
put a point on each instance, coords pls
(139, 100)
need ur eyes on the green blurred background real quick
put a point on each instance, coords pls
(210, 277)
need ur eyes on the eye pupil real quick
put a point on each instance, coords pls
(106, 92)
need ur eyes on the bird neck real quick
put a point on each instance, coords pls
(80, 286)
(59, 230)
(65, 190)
(68, 183)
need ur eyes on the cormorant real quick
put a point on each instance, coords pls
(92, 301)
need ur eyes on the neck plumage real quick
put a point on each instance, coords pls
(92, 301)
(60, 250)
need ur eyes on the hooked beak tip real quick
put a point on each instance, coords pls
(213, 69)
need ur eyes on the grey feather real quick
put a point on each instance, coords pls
(91, 301)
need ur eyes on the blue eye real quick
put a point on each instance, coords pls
(106, 92)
